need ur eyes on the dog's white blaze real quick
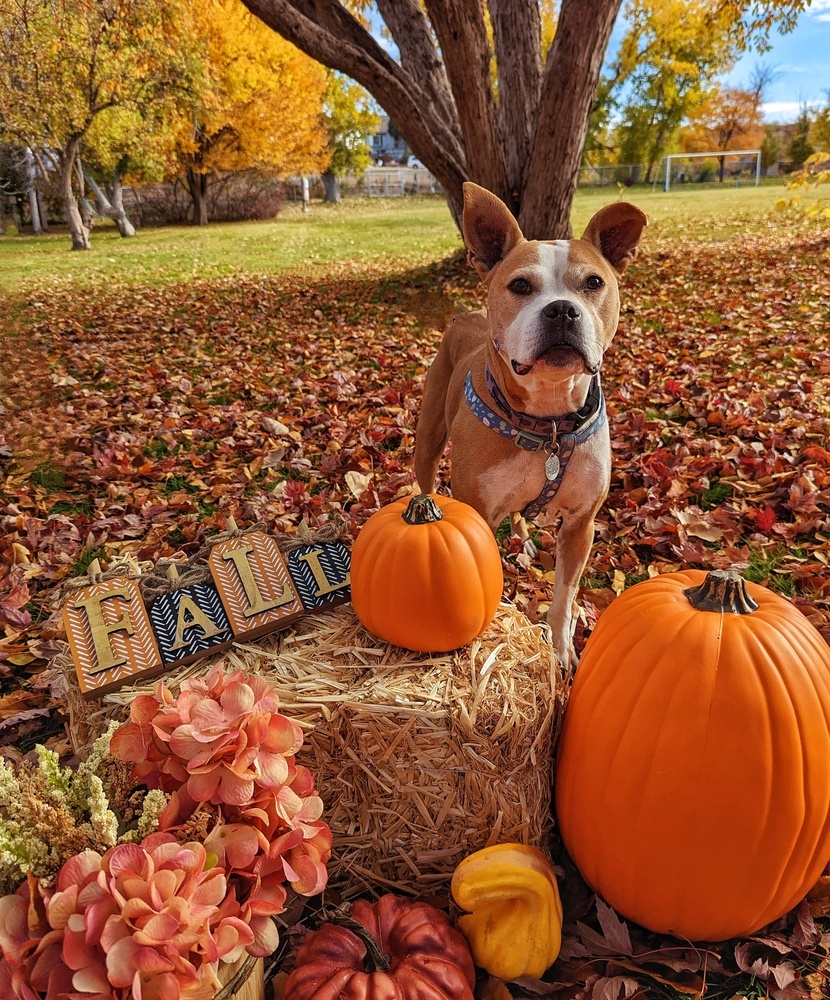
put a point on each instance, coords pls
(547, 276)
(548, 280)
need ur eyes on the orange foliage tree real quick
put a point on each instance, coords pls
(728, 119)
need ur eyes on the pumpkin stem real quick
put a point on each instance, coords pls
(422, 509)
(723, 590)
(375, 960)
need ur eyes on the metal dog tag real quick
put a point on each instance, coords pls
(552, 466)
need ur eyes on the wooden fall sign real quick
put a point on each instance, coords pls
(115, 638)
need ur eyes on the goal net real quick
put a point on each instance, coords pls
(737, 166)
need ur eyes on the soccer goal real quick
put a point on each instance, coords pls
(739, 165)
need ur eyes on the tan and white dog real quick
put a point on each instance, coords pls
(516, 388)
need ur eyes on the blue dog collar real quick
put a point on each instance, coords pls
(558, 436)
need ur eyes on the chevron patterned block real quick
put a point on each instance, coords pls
(110, 636)
(320, 573)
(253, 583)
(189, 622)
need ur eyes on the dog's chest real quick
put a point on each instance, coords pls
(509, 484)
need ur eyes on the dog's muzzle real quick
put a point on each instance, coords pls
(561, 339)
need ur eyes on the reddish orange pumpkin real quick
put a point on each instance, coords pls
(426, 574)
(693, 777)
(398, 950)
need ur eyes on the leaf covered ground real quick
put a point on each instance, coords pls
(136, 419)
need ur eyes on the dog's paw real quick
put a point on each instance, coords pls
(565, 652)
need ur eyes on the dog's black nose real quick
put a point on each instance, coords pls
(561, 309)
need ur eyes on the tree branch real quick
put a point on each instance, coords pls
(517, 33)
(412, 33)
(310, 25)
(462, 36)
(568, 87)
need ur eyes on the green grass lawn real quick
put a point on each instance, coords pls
(409, 230)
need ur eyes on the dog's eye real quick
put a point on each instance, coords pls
(594, 282)
(520, 286)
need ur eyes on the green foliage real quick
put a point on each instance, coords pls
(349, 119)
(715, 495)
(799, 147)
(771, 147)
(48, 477)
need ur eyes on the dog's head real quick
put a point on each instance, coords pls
(553, 307)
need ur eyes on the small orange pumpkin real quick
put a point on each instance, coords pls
(693, 775)
(426, 574)
(395, 949)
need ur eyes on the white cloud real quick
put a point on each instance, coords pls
(783, 110)
(820, 9)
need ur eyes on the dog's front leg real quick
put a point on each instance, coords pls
(573, 547)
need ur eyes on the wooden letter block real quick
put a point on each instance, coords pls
(110, 636)
(253, 582)
(189, 622)
(320, 573)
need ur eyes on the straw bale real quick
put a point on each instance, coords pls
(419, 759)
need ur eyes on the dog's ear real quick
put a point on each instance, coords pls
(490, 231)
(615, 231)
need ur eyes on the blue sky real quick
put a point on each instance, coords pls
(802, 59)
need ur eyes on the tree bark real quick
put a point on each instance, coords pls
(411, 31)
(568, 86)
(462, 35)
(197, 185)
(36, 208)
(115, 191)
(44, 221)
(324, 30)
(77, 230)
(517, 33)
(31, 184)
(331, 184)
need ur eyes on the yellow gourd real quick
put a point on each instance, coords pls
(514, 919)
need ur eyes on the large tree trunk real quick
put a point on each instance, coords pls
(197, 185)
(77, 230)
(331, 185)
(522, 140)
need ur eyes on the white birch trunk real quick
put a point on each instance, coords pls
(77, 230)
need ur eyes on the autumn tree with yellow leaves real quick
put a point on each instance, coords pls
(260, 107)
(65, 65)
(157, 86)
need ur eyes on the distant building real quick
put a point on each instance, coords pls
(387, 143)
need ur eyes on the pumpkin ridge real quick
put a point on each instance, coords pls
(607, 702)
(665, 733)
(804, 849)
(705, 755)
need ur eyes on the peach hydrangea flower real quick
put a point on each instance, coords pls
(223, 737)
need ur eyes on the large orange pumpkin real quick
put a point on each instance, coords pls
(426, 574)
(693, 778)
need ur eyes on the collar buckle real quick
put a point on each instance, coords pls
(529, 441)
